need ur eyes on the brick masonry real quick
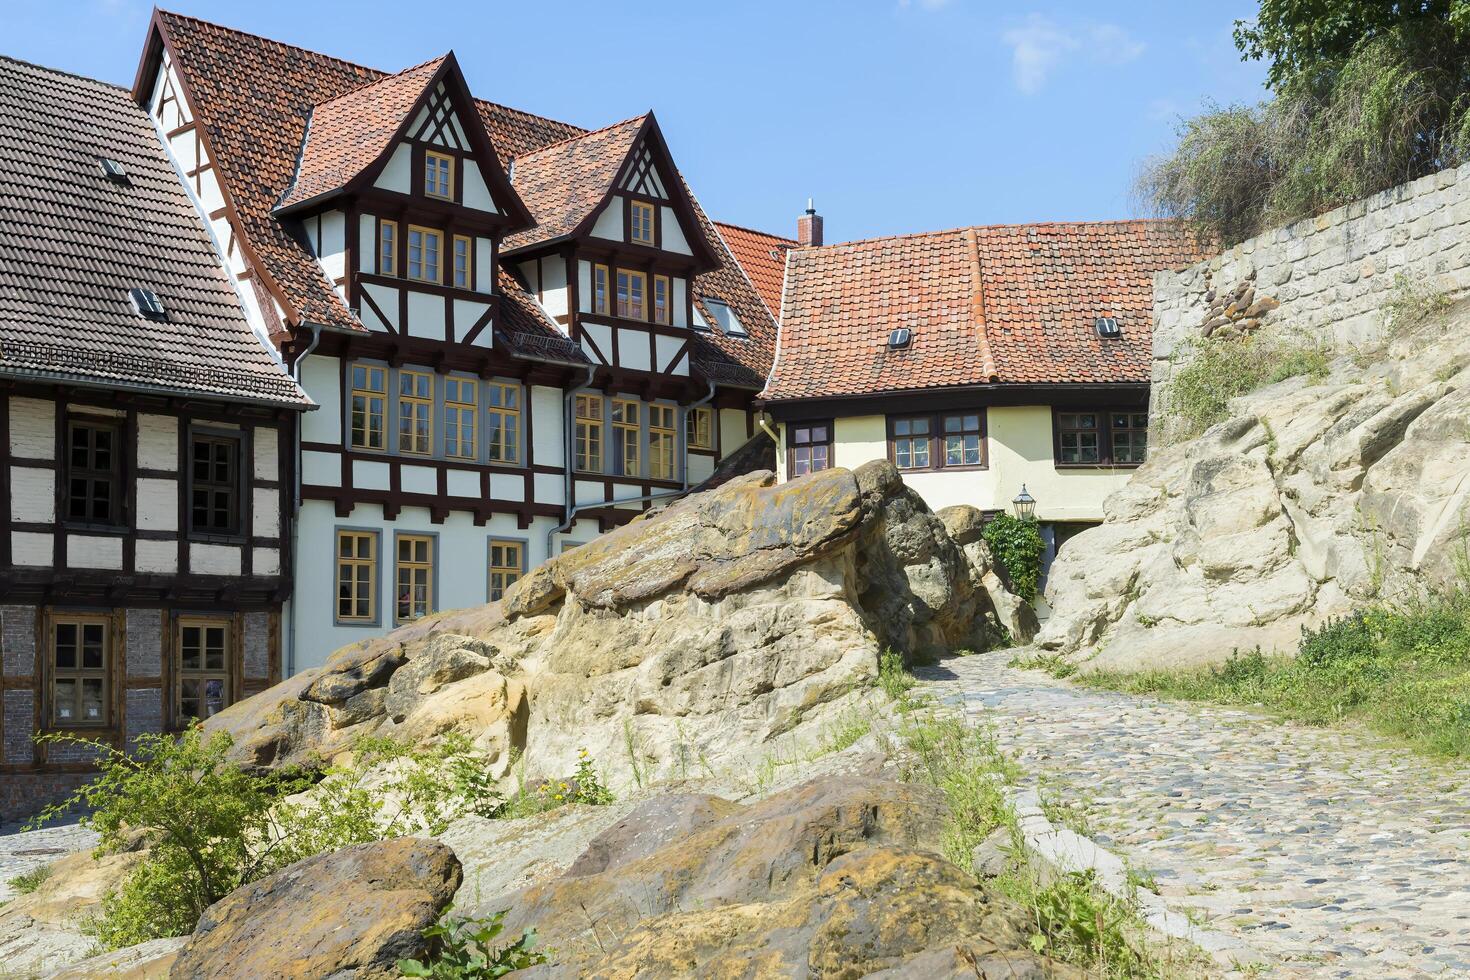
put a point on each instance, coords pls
(17, 640)
(1331, 274)
(145, 643)
(257, 646)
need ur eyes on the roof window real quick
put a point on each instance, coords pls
(147, 303)
(1107, 328)
(900, 338)
(114, 170)
(724, 316)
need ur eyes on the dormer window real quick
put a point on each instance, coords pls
(425, 254)
(438, 175)
(640, 222)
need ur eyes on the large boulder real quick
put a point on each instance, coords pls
(702, 631)
(43, 930)
(350, 915)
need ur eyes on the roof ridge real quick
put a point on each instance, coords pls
(977, 308)
(584, 135)
(960, 230)
(753, 231)
(64, 74)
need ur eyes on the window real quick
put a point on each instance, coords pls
(504, 422)
(808, 447)
(625, 437)
(369, 407)
(632, 290)
(438, 175)
(425, 254)
(415, 569)
(932, 442)
(1077, 438)
(1129, 437)
(599, 289)
(202, 684)
(699, 428)
(640, 222)
(662, 442)
(464, 265)
(357, 564)
(724, 316)
(661, 308)
(214, 484)
(911, 438)
(505, 566)
(415, 408)
(388, 248)
(93, 472)
(589, 433)
(461, 405)
(964, 439)
(79, 662)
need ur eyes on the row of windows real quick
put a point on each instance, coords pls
(81, 669)
(413, 575)
(94, 477)
(425, 255)
(956, 440)
(632, 300)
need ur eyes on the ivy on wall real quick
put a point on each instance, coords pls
(1017, 548)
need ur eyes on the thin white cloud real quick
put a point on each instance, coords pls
(924, 4)
(1039, 44)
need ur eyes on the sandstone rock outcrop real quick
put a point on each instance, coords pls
(42, 930)
(1312, 499)
(702, 631)
(351, 915)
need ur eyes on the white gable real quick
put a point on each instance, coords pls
(436, 123)
(395, 176)
(642, 178)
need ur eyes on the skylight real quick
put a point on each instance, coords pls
(1107, 328)
(147, 303)
(899, 339)
(114, 170)
(724, 316)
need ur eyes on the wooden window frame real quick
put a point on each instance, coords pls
(112, 476)
(504, 417)
(469, 262)
(424, 403)
(362, 567)
(233, 486)
(434, 156)
(625, 308)
(634, 208)
(662, 306)
(369, 396)
(627, 458)
(413, 566)
(937, 448)
(202, 674)
(588, 448)
(78, 674)
(1104, 432)
(793, 447)
(601, 289)
(502, 576)
(461, 414)
(693, 438)
(1114, 430)
(424, 233)
(387, 257)
(663, 428)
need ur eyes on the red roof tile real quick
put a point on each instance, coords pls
(1000, 304)
(762, 256)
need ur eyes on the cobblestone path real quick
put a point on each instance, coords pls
(1329, 852)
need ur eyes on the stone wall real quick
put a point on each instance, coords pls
(1325, 278)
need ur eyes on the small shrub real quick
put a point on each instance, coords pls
(590, 788)
(28, 881)
(1219, 369)
(893, 677)
(1338, 641)
(464, 949)
(1017, 547)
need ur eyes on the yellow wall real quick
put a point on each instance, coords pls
(1019, 450)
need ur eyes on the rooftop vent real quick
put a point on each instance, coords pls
(147, 303)
(900, 338)
(1107, 327)
(114, 170)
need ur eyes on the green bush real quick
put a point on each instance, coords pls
(1017, 548)
(1218, 369)
(28, 881)
(464, 949)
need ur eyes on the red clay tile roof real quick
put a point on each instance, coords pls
(563, 183)
(762, 256)
(1027, 317)
(347, 134)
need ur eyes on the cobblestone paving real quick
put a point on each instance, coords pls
(20, 851)
(1327, 851)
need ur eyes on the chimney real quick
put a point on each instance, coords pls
(809, 226)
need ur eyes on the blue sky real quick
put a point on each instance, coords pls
(896, 115)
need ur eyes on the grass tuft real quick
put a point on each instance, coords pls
(1217, 370)
(28, 881)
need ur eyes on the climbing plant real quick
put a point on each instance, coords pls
(1017, 547)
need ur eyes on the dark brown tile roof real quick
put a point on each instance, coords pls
(762, 256)
(562, 184)
(999, 304)
(73, 243)
(348, 133)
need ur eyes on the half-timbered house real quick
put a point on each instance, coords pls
(146, 444)
(520, 332)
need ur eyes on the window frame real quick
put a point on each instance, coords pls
(626, 436)
(593, 426)
(502, 413)
(78, 674)
(792, 446)
(1105, 454)
(385, 224)
(692, 438)
(936, 438)
(415, 401)
(469, 262)
(636, 207)
(369, 395)
(624, 309)
(668, 432)
(236, 485)
(424, 232)
(437, 156)
(518, 571)
(662, 308)
(225, 673)
(368, 565)
(114, 476)
(601, 290)
(428, 567)
(456, 411)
